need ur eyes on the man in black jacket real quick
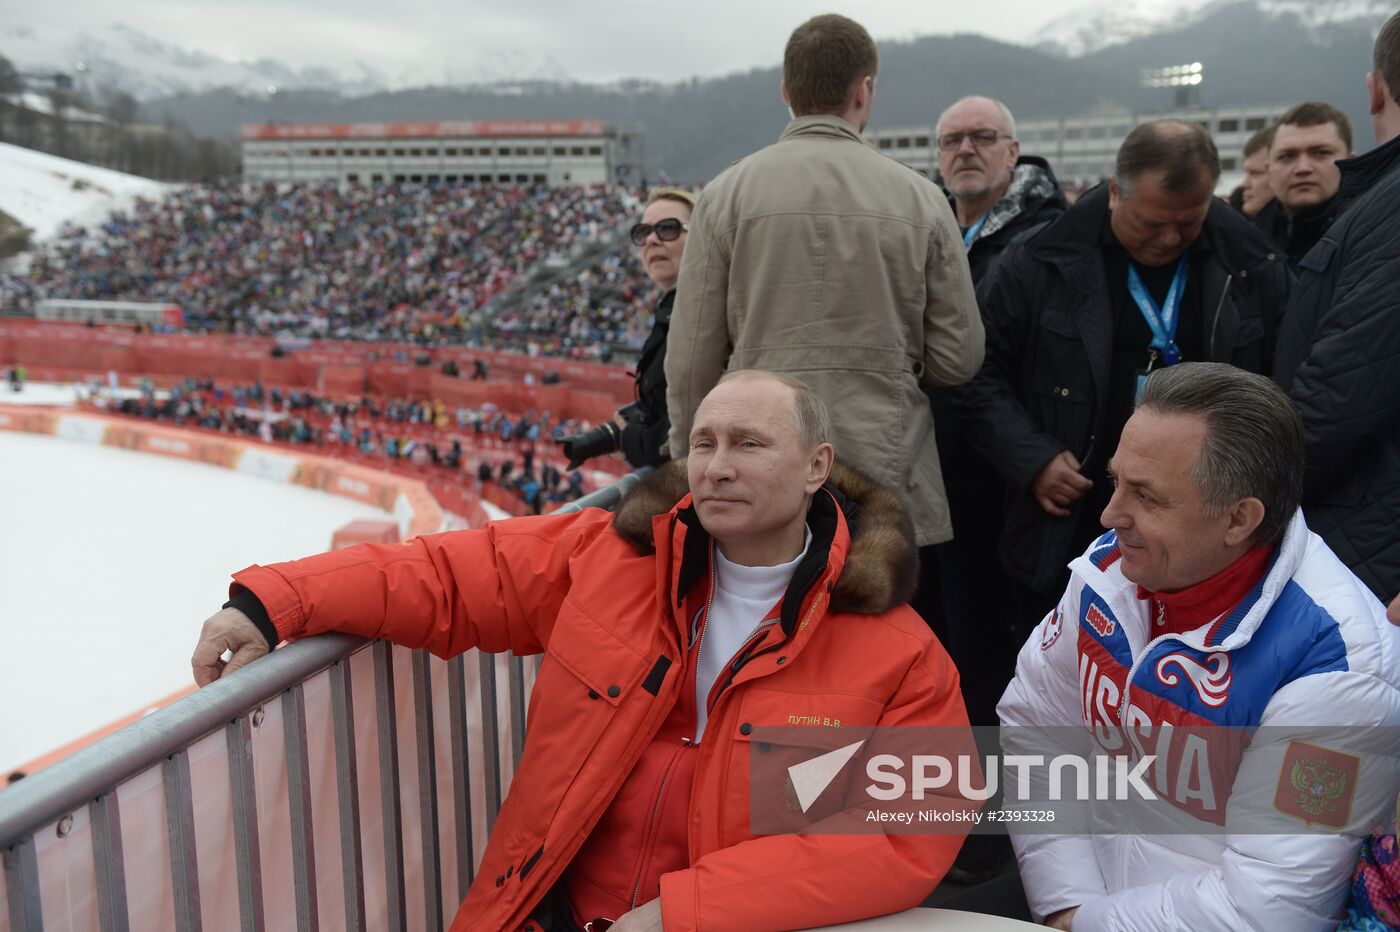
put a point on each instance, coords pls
(1339, 350)
(998, 195)
(1148, 270)
(1308, 141)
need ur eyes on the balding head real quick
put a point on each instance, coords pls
(977, 150)
(1181, 156)
(992, 112)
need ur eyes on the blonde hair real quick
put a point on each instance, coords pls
(679, 195)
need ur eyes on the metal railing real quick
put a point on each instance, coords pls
(258, 797)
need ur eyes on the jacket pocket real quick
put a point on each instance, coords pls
(1319, 258)
(777, 730)
(1060, 363)
(1060, 389)
(583, 688)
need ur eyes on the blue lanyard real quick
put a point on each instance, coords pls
(972, 231)
(1161, 320)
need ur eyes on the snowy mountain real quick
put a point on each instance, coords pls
(126, 59)
(1105, 23)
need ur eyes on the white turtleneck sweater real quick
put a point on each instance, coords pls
(744, 595)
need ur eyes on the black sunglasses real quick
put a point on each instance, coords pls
(666, 230)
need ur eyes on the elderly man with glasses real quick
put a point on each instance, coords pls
(998, 195)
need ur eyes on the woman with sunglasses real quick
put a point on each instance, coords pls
(642, 438)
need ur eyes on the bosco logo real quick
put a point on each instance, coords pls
(1099, 621)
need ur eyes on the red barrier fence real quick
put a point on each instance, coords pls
(588, 391)
(409, 499)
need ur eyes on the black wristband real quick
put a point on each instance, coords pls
(248, 604)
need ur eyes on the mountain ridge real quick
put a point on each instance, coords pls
(696, 127)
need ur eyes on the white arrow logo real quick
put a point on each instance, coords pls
(811, 778)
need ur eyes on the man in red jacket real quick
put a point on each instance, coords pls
(742, 587)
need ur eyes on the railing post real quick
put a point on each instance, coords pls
(516, 679)
(299, 804)
(490, 738)
(238, 737)
(104, 814)
(427, 790)
(389, 786)
(461, 773)
(22, 887)
(179, 823)
(347, 783)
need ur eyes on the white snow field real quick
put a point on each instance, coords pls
(44, 191)
(109, 562)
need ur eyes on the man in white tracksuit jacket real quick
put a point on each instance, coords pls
(1210, 603)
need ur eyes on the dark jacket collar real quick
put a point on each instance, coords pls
(1033, 186)
(881, 566)
(1363, 171)
(663, 307)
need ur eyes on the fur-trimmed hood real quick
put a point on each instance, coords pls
(881, 570)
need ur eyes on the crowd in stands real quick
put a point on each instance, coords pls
(607, 305)
(403, 263)
(417, 432)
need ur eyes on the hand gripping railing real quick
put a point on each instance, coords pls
(226, 802)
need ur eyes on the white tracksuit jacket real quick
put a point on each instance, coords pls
(1308, 646)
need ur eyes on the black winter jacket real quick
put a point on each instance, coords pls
(1296, 236)
(1033, 198)
(1044, 385)
(643, 438)
(1339, 360)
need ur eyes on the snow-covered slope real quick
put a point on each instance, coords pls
(1103, 23)
(44, 191)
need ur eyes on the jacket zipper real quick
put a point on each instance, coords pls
(1215, 323)
(713, 697)
(650, 836)
(700, 642)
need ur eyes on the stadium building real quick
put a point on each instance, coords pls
(549, 152)
(1082, 148)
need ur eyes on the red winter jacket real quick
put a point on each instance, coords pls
(608, 600)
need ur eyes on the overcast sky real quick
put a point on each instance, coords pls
(591, 41)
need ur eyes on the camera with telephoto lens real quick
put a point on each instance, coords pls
(601, 440)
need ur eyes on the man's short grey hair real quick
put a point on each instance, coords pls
(1183, 153)
(808, 411)
(1254, 438)
(1005, 114)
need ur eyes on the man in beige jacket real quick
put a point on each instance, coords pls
(821, 258)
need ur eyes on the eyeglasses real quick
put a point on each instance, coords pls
(666, 230)
(981, 139)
